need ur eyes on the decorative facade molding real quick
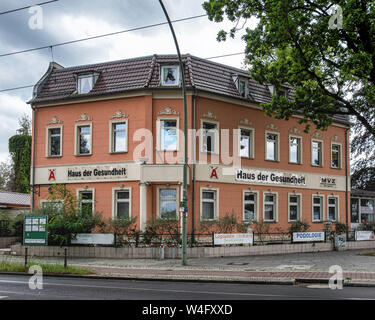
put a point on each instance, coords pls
(317, 134)
(169, 111)
(54, 120)
(294, 130)
(84, 117)
(118, 114)
(271, 126)
(209, 115)
(335, 138)
(246, 122)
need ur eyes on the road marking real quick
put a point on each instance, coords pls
(3, 297)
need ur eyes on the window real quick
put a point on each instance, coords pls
(86, 202)
(317, 157)
(54, 142)
(85, 83)
(294, 207)
(51, 206)
(295, 150)
(210, 137)
(242, 88)
(208, 209)
(170, 76)
(355, 210)
(272, 142)
(168, 135)
(269, 213)
(119, 137)
(332, 208)
(335, 156)
(168, 203)
(249, 206)
(317, 208)
(367, 210)
(246, 143)
(84, 140)
(122, 204)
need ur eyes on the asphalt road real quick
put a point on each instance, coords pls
(16, 287)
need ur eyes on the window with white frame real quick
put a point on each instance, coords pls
(295, 150)
(246, 143)
(249, 206)
(168, 135)
(85, 83)
(168, 203)
(332, 208)
(335, 156)
(208, 205)
(84, 139)
(122, 204)
(317, 208)
(210, 137)
(86, 198)
(317, 153)
(51, 205)
(54, 142)
(294, 207)
(270, 207)
(242, 87)
(119, 136)
(170, 75)
(272, 141)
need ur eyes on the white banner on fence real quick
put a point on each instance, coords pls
(364, 235)
(94, 238)
(308, 236)
(233, 238)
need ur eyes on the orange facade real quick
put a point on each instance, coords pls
(290, 190)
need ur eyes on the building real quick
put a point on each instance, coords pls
(13, 203)
(362, 207)
(112, 133)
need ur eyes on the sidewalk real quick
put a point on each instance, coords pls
(276, 269)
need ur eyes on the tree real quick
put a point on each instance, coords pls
(364, 179)
(6, 176)
(20, 151)
(322, 51)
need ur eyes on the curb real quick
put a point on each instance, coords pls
(267, 281)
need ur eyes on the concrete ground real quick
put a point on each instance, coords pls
(271, 268)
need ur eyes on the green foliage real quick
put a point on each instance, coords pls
(65, 221)
(328, 70)
(299, 226)
(124, 230)
(340, 228)
(20, 150)
(364, 179)
(225, 224)
(367, 226)
(166, 229)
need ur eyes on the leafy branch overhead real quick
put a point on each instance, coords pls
(329, 68)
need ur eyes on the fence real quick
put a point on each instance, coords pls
(4, 228)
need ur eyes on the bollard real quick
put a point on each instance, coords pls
(151, 250)
(162, 251)
(26, 249)
(65, 258)
(173, 252)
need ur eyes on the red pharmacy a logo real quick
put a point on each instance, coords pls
(51, 174)
(214, 173)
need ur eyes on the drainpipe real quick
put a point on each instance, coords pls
(33, 159)
(346, 183)
(194, 150)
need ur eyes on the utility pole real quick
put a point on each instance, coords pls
(184, 181)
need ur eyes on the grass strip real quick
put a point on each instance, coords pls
(47, 268)
(371, 254)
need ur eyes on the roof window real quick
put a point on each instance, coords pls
(170, 76)
(86, 82)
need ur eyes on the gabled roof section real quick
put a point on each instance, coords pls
(14, 198)
(144, 73)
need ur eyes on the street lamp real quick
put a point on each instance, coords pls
(184, 180)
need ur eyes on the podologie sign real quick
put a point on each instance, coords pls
(308, 236)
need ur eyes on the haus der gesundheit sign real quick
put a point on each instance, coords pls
(271, 177)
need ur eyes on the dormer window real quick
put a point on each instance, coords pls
(170, 76)
(86, 82)
(242, 85)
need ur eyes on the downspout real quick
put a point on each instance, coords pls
(33, 160)
(194, 166)
(346, 183)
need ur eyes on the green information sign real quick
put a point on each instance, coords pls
(35, 230)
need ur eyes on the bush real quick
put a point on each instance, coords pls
(65, 221)
(157, 228)
(124, 230)
(225, 224)
(367, 226)
(299, 226)
(340, 228)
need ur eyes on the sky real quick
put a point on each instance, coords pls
(66, 20)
